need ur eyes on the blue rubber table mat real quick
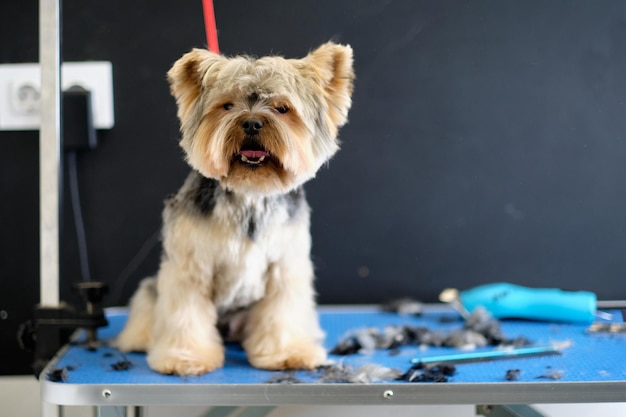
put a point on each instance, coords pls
(589, 357)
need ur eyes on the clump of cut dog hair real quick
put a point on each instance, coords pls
(480, 330)
(347, 374)
(435, 372)
(404, 306)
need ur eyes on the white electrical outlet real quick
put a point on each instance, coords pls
(20, 86)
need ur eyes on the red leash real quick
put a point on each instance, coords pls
(210, 26)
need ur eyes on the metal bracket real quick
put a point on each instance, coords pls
(52, 327)
(517, 410)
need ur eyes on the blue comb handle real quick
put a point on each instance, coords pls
(505, 300)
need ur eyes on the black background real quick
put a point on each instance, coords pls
(487, 142)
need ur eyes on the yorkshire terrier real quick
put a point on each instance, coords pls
(236, 244)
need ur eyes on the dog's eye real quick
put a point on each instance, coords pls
(282, 109)
(228, 106)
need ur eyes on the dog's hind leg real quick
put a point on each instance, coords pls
(137, 333)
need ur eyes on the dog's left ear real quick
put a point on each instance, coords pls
(330, 66)
(189, 74)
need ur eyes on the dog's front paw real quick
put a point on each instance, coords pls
(186, 362)
(296, 356)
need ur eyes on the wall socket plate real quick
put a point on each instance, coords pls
(20, 86)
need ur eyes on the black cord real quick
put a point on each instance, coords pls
(134, 264)
(81, 238)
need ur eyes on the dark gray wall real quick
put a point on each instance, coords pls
(486, 142)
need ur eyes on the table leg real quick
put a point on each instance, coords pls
(119, 411)
(49, 410)
(519, 410)
(231, 411)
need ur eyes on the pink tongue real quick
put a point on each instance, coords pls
(254, 154)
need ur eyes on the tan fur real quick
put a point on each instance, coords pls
(236, 241)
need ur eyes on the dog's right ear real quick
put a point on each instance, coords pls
(189, 74)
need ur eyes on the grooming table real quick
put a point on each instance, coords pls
(593, 369)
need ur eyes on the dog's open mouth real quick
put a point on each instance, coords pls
(251, 157)
(253, 154)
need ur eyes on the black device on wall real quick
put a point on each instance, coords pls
(486, 143)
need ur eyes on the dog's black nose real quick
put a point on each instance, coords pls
(252, 126)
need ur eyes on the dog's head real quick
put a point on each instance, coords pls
(262, 126)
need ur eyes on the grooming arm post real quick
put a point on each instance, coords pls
(50, 149)
(49, 158)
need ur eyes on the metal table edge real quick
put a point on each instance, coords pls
(332, 394)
